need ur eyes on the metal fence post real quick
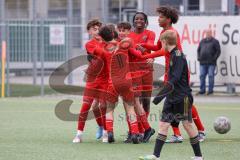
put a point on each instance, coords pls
(83, 23)
(4, 38)
(70, 15)
(105, 10)
(34, 39)
(42, 36)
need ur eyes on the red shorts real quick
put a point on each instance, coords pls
(147, 82)
(142, 79)
(95, 90)
(122, 90)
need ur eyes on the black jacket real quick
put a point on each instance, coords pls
(208, 51)
(178, 77)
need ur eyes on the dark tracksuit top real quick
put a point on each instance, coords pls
(178, 77)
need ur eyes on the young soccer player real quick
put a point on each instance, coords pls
(178, 102)
(124, 29)
(115, 56)
(167, 17)
(94, 82)
(140, 35)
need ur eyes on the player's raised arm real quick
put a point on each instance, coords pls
(158, 53)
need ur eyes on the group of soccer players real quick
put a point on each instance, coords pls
(121, 65)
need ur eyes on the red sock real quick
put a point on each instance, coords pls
(144, 121)
(98, 116)
(197, 119)
(83, 115)
(129, 125)
(109, 125)
(140, 126)
(133, 125)
(176, 131)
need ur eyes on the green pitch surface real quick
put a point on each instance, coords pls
(30, 130)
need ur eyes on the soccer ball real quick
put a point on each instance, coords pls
(222, 125)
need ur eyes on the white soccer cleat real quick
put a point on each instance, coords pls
(202, 136)
(197, 158)
(105, 137)
(175, 139)
(149, 157)
(78, 138)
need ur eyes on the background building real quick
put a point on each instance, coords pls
(30, 26)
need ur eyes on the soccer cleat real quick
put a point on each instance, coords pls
(128, 138)
(111, 137)
(77, 139)
(197, 158)
(135, 139)
(140, 136)
(105, 137)
(147, 134)
(149, 157)
(99, 133)
(175, 139)
(202, 136)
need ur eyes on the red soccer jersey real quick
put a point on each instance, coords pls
(167, 54)
(116, 59)
(96, 64)
(146, 36)
(162, 52)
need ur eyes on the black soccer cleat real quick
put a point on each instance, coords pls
(111, 137)
(140, 136)
(128, 138)
(147, 134)
(135, 139)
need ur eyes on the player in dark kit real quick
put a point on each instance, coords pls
(178, 102)
(167, 17)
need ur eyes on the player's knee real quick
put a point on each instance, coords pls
(187, 125)
(164, 126)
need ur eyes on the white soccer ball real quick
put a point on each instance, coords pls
(222, 125)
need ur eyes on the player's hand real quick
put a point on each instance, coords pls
(140, 48)
(150, 61)
(158, 99)
(164, 91)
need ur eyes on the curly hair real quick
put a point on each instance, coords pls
(169, 12)
(94, 22)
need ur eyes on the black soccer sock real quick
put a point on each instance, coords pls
(159, 144)
(196, 146)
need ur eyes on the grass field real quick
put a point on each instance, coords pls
(30, 130)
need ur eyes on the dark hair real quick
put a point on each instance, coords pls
(144, 15)
(113, 28)
(169, 12)
(115, 35)
(124, 25)
(106, 33)
(94, 22)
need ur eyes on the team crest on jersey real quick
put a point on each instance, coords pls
(178, 53)
(144, 38)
